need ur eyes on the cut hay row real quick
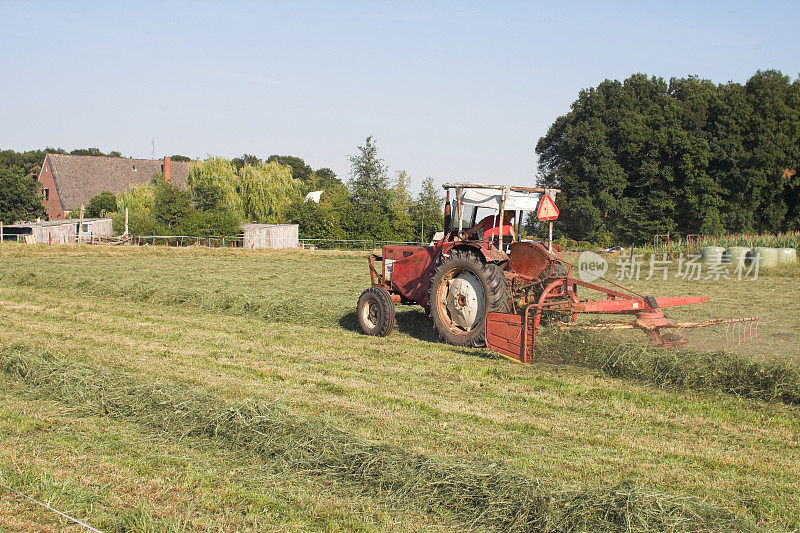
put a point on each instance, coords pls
(768, 380)
(483, 495)
(741, 375)
(284, 310)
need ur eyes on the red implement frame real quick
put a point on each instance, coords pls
(514, 335)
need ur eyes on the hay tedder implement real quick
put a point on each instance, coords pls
(481, 286)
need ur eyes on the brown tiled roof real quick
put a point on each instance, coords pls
(80, 177)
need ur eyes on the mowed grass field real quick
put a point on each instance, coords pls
(278, 328)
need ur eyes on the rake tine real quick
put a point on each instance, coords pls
(727, 329)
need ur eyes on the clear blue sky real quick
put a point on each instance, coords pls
(452, 90)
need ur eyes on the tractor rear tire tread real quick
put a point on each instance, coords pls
(496, 295)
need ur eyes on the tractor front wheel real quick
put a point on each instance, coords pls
(375, 312)
(463, 289)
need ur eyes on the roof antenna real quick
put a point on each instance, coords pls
(153, 142)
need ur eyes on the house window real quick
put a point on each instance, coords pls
(46, 194)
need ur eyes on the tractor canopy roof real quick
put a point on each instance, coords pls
(491, 196)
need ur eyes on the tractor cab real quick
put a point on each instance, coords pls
(490, 214)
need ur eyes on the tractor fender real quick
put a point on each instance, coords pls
(485, 251)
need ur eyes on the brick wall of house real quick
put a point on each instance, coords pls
(50, 199)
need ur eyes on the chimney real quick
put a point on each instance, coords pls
(166, 168)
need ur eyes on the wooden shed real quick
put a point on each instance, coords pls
(270, 235)
(66, 231)
(96, 227)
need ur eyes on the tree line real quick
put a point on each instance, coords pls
(632, 158)
(20, 195)
(644, 156)
(223, 193)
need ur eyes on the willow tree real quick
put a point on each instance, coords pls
(136, 198)
(267, 190)
(214, 185)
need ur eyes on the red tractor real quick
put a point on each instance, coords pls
(482, 286)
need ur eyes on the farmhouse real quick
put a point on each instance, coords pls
(63, 231)
(70, 181)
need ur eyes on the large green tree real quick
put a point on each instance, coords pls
(101, 205)
(646, 156)
(245, 159)
(300, 170)
(326, 179)
(20, 196)
(427, 211)
(402, 203)
(370, 194)
(170, 204)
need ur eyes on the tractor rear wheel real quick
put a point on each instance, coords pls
(463, 289)
(375, 310)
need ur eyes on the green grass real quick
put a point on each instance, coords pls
(483, 494)
(277, 328)
(121, 476)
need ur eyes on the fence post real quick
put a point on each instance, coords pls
(1, 232)
(80, 227)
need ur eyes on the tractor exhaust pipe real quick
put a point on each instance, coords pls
(447, 215)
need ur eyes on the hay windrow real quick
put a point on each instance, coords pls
(483, 495)
(775, 380)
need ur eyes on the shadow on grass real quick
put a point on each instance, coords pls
(416, 324)
(412, 322)
(349, 322)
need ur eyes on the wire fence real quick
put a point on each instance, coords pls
(213, 241)
(345, 244)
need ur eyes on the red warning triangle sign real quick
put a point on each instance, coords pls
(547, 208)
